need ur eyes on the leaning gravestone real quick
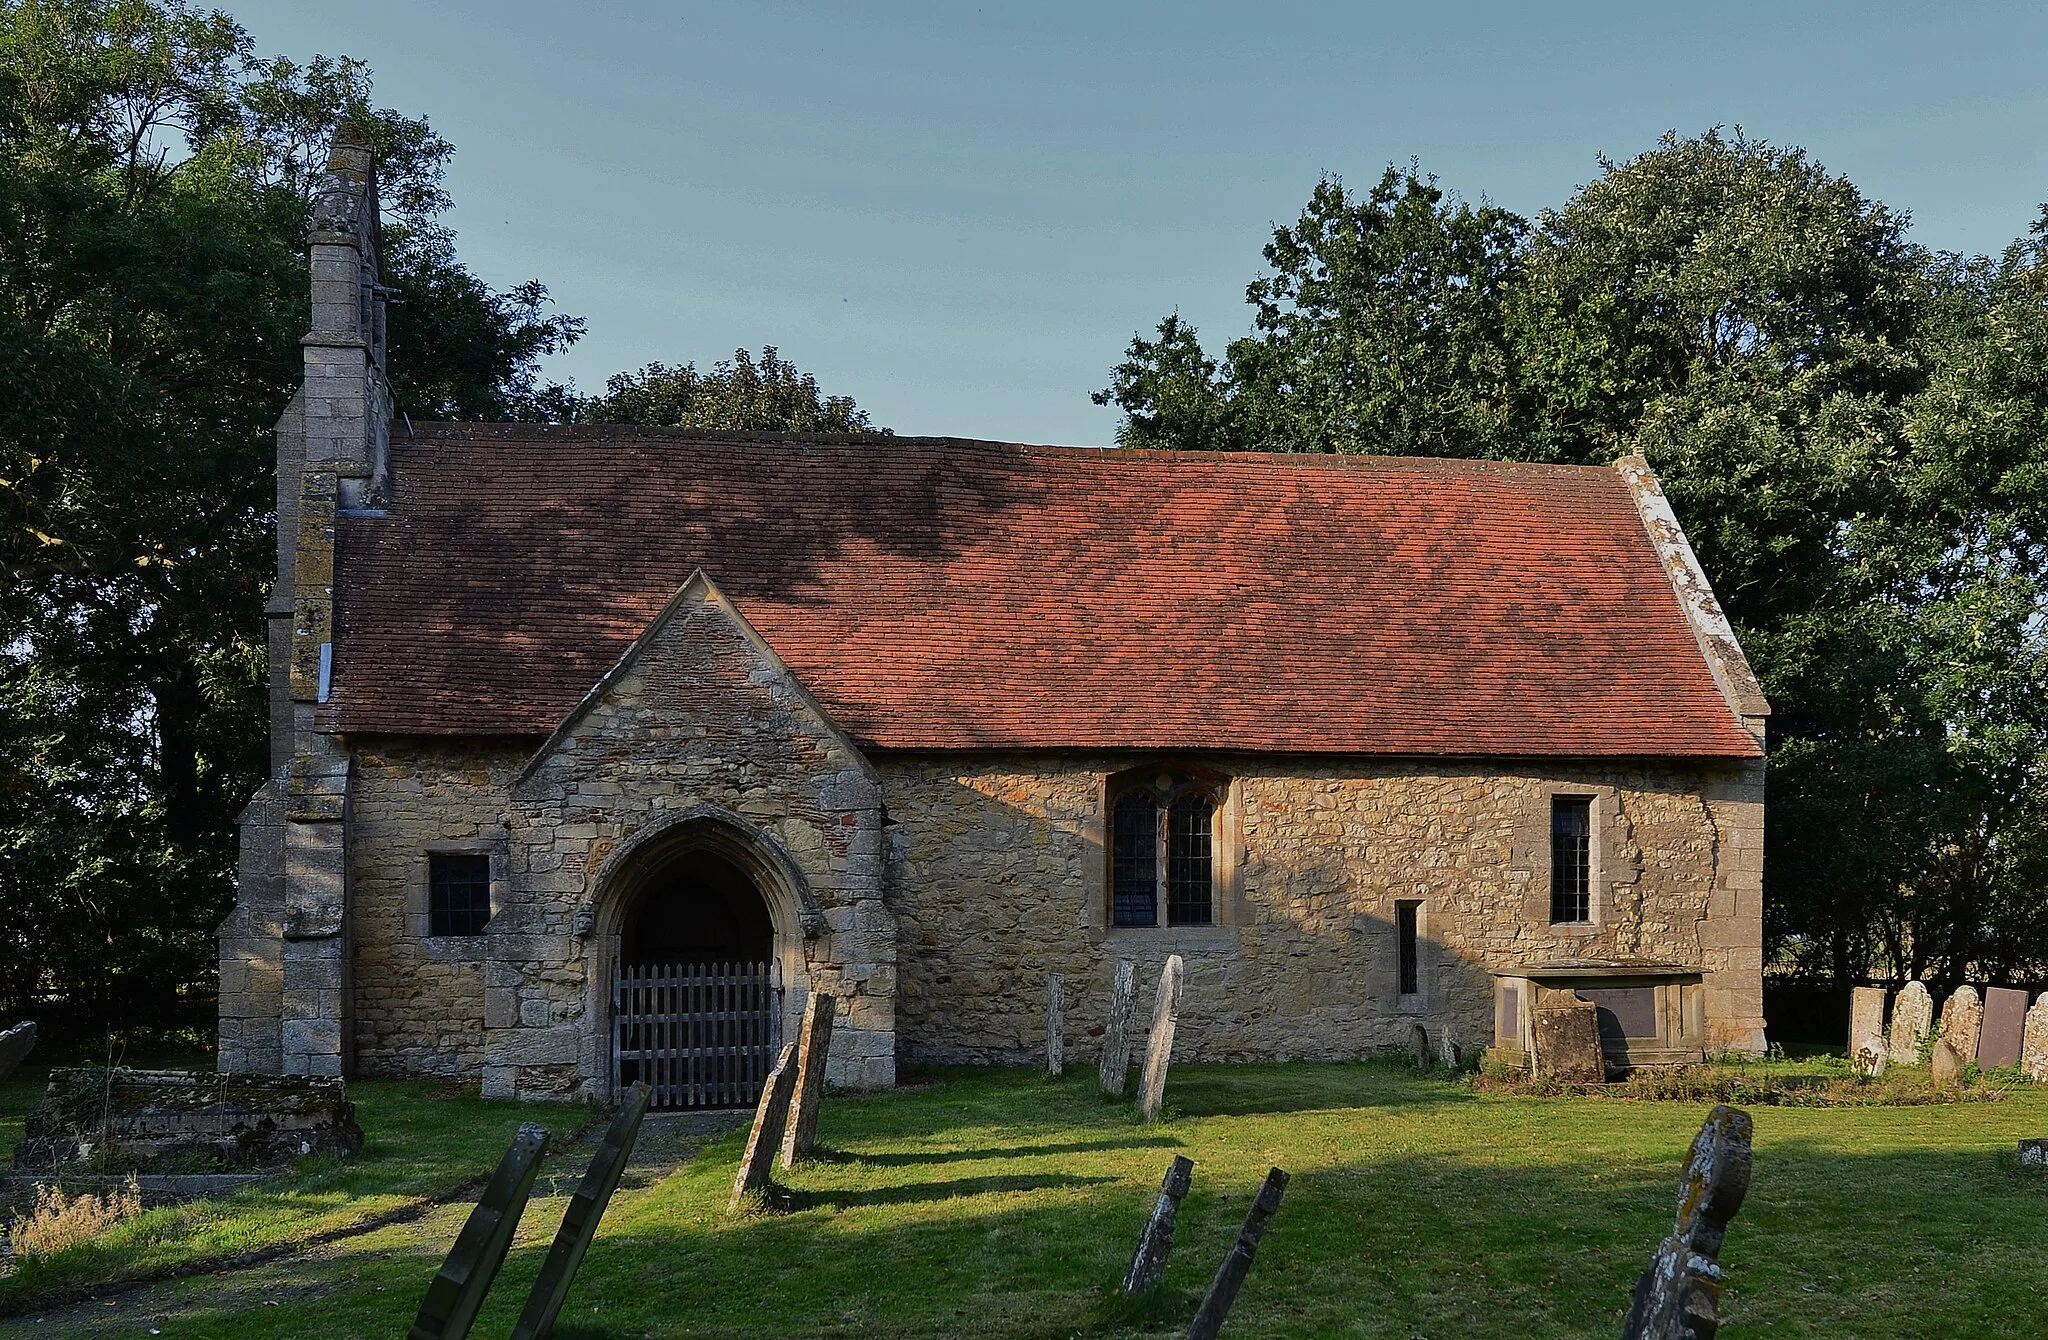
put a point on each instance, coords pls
(1055, 1025)
(1961, 1021)
(1238, 1262)
(15, 1044)
(1418, 1046)
(1912, 1023)
(458, 1288)
(1866, 1019)
(1155, 1244)
(757, 1164)
(1115, 1065)
(2034, 1042)
(1567, 1034)
(1679, 1296)
(579, 1221)
(800, 1132)
(2005, 1023)
(1159, 1043)
(1948, 1064)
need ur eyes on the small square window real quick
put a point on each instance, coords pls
(458, 892)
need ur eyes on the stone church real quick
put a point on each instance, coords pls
(596, 750)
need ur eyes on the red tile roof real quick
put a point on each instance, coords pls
(941, 594)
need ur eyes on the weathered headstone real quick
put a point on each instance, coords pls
(764, 1141)
(2034, 1153)
(1567, 1033)
(1055, 1025)
(2005, 1022)
(1912, 1023)
(1159, 1043)
(1115, 1065)
(1948, 1064)
(1418, 1045)
(1155, 1243)
(1679, 1296)
(458, 1288)
(814, 1049)
(1237, 1263)
(2034, 1043)
(15, 1044)
(1961, 1020)
(580, 1220)
(1871, 1058)
(1447, 1046)
(1866, 1019)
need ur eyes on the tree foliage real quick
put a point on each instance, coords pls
(737, 395)
(1854, 430)
(154, 177)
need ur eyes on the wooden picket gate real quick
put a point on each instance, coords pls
(699, 1034)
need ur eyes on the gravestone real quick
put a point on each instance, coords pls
(2034, 1153)
(1871, 1058)
(1159, 1043)
(580, 1220)
(1418, 1045)
(764, 1141)
(458, 1288)
(800, 1132)
(2005, 1023)
(1447, 1046)
(1115, 1065)
(1866, 1020)
(1679, 1296)
(1567, 1032)
(2034, 1042)
(15, 1045)
(1961, 1021)
(1912, 1023)
(1948, 1064)
(1237, 1263)
(1155, 1243)
(1055, 1025)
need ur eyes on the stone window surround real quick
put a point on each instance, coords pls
(1226, 845)
(418, 918)
(1417, 1001)
(1600, 825)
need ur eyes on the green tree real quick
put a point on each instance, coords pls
(153, 206)
(738, 395)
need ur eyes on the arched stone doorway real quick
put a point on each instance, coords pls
(703, 918)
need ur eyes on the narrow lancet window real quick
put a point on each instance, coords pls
(1571, 858)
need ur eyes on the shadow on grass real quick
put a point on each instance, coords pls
(1003, 1152)
(911, 1193)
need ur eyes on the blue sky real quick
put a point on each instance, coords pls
(960, 214)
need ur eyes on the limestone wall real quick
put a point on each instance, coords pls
(419, 999)
(997, 876)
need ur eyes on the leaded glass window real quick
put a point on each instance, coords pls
(1135, 860)
(458, 893)
(1571, 858)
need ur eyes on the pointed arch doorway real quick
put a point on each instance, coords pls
(696, 998)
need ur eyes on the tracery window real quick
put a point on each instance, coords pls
(1162, 850)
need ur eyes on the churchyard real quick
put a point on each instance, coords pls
(997, 1202)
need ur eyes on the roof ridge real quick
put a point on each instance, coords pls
(649, 434)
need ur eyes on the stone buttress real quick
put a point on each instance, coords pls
(284, 948)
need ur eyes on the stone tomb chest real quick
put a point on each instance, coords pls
(1650, 1014)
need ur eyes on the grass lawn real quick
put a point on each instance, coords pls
(993, 1203)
